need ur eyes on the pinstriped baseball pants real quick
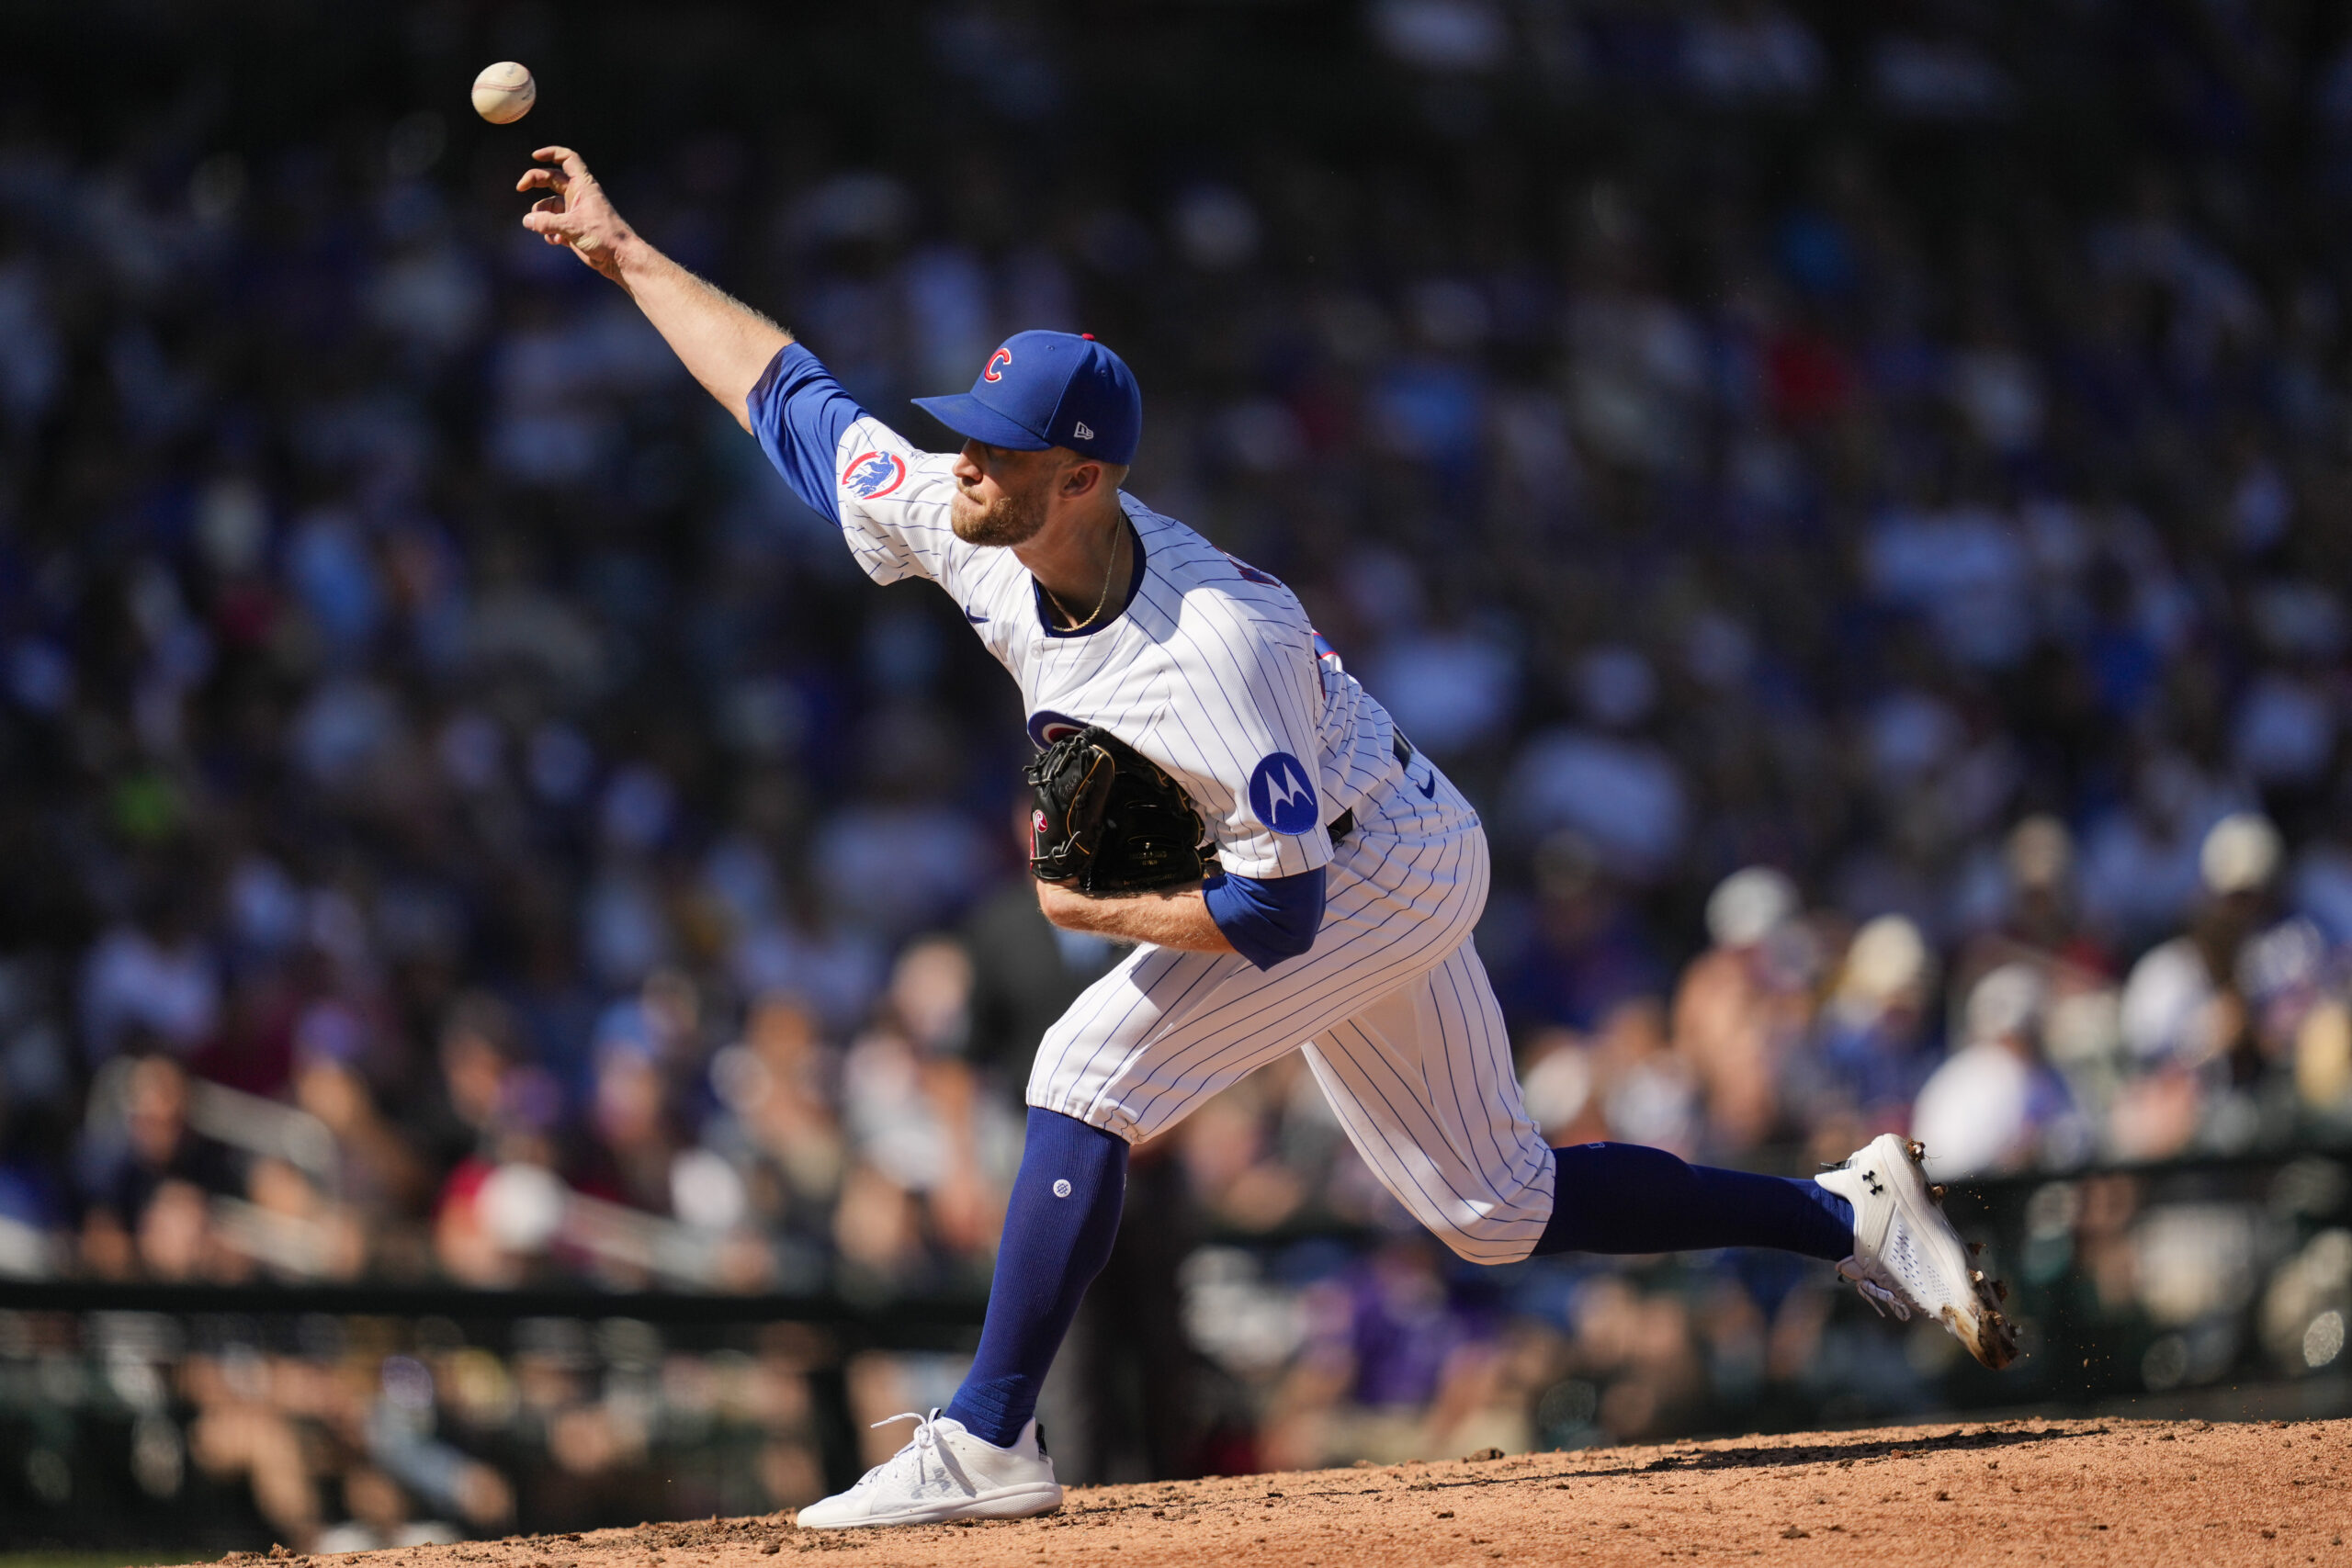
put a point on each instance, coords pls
(1394, 1014)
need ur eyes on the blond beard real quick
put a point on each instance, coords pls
(1010, 520)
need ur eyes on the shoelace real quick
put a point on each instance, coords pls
(1882, 1299)
(926, 1442)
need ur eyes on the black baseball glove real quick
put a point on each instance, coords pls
(1109, 820)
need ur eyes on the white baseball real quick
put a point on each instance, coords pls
(504, 93)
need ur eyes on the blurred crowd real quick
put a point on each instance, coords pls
(1862, 505)
(332, 1435)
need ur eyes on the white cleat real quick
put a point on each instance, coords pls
(944, 1472)
(1907, 1255)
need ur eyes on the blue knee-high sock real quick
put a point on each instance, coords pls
(1626, 1198)
(1057, 1236)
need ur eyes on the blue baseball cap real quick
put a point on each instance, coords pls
(1043, 390)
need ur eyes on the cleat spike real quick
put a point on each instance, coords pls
(1918, 1150)
(1975, 1248)
(1936, 1191)
(2000, 1290)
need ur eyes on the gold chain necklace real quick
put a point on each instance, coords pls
(1102, 598)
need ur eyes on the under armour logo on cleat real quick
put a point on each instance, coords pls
(1871, 1181)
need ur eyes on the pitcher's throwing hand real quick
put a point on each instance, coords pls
(577, 214)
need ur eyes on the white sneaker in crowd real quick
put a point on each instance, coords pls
(1907, 1255)
(944, 1472)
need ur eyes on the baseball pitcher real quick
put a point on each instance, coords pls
(1213, 786)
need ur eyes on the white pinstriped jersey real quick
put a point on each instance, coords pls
(1212, 672)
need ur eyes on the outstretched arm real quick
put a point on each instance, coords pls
(724, 343)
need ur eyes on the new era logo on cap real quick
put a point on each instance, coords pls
(1043, 390)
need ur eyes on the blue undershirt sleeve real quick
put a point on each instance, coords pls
(798, 412)
(1267, 919)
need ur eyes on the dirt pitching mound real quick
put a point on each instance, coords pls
(2012, 1492)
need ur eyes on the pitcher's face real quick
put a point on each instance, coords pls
(1002, 495)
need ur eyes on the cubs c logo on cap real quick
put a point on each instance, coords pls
(1282, 796)
(1001, 356)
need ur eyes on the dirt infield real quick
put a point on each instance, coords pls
(2012, 1492)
